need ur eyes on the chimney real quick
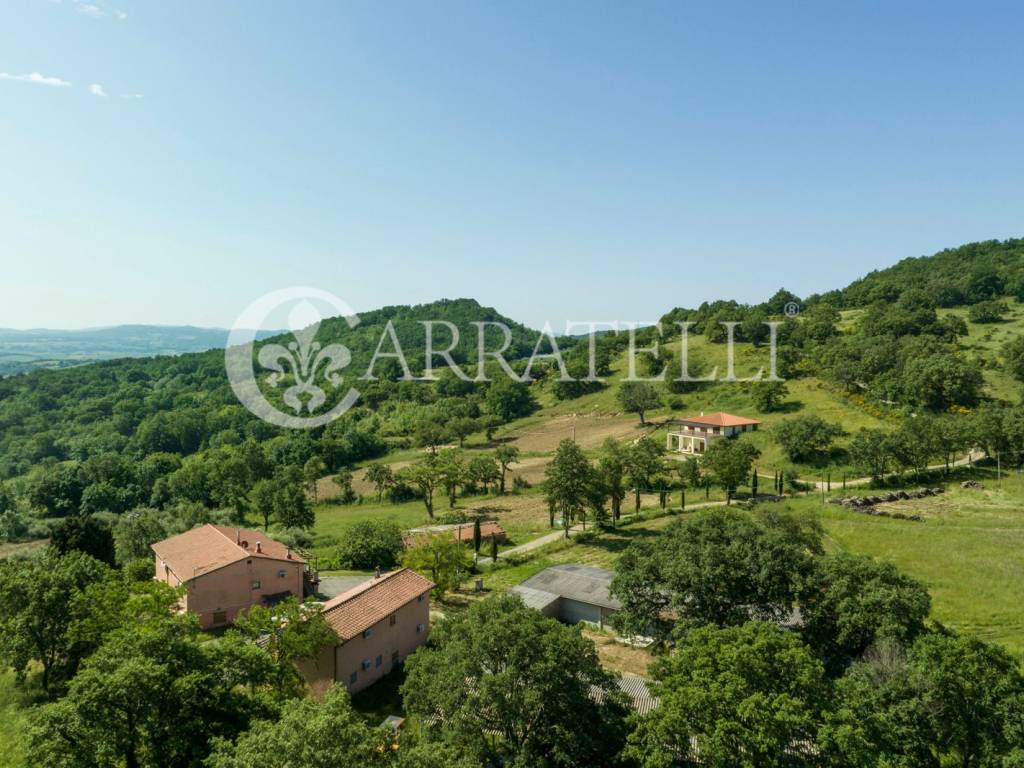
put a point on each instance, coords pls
(259, 546)
(376, 573)
(238, 536)
(702, 413)
(289, 553)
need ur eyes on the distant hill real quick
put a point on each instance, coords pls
(22, 351)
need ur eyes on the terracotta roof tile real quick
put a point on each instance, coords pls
(720, 419)
(358, 609)
(210, 547)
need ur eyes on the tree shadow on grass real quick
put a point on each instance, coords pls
(789, 406)
(615, 540)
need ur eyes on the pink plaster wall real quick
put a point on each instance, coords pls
(384, 640)
(230, 589)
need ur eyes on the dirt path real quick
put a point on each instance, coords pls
(551, 538)
(856, 481)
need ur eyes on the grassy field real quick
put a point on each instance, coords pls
(968, 550)
(984, 341)
(13, 721)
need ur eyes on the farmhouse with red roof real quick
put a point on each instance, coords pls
(692, 435)
(226, 570)
(378, 623)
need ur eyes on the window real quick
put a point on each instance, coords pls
(380, 660)
(419, 628)
(392, 619)
(352, 678)
(394, 657)
(367, 632)
(282, 573)
(255, 583)
(421, 598)
(220, 617)
(366, 664)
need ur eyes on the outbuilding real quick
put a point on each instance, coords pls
(571, 593)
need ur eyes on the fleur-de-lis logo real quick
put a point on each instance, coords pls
(304, 357)
(305, 366)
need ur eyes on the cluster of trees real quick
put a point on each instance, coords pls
(447, 470)
(926, 440)
(577, 488)
(854, 677)
(905, 355)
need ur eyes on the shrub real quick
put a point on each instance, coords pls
(401, 492)
(370, 544)
(520, 483)
(1014, 354)
(987, 312)
(452, 517)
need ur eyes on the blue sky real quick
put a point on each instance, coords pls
(555, 160)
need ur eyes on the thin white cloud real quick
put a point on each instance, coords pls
(97, 90)
(97, 10)
(36, 78)
(131, 95)
(90, 10)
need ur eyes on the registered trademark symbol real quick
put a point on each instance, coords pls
(792, 309)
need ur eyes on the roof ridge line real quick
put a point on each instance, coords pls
(362, 586)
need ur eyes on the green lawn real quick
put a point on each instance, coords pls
(985, 341)
(13, 721)
(969, 551)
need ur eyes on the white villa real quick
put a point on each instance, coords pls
(692, 435)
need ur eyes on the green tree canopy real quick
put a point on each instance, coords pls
(36, 594)
(638, 397)
(153, 695)
(569, 483)
(441, 556)
(730, 462)
(502, 668)
(719, 568)
(749, 696)
(369, 544)
(806, 438)
(852, 601)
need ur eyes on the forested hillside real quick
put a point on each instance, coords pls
(168, 431)
(954, 277)
(106, 459)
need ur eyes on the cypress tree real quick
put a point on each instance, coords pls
(476, 535)
(494, 549)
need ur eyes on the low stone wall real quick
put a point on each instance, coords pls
(867, 504)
